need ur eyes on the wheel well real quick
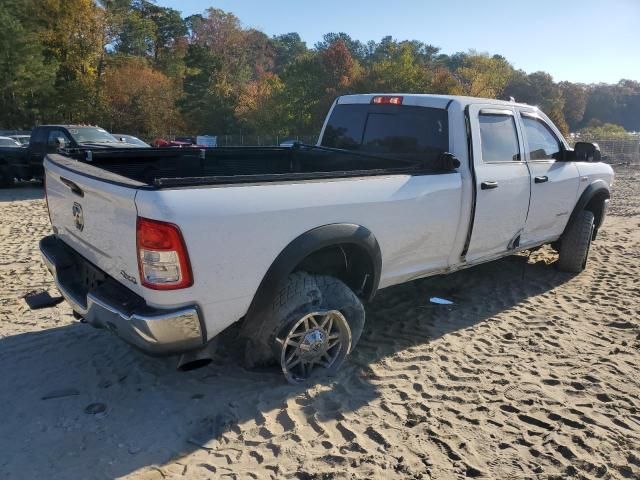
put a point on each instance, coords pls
(350, 263)
(596, 206)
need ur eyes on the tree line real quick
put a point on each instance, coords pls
(135, 67)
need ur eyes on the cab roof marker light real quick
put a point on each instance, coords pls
(387, 100)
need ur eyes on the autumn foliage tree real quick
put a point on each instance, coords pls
(140, 99)
(483, 76)
(259, 108)
(138, 67)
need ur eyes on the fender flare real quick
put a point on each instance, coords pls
(598, 187)
(303, 246)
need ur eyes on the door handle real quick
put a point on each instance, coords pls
(541, 179)
(73, 187)
(488, 185)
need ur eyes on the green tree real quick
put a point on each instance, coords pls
(357, 49)
(400, 71)
(575, 103)
(288, 48)
(483, 76)
(303, 93)
(72, 33)
(26, 80)
(597, 129)
(138, 35)
(539, 89)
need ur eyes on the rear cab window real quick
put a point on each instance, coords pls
(388, 130)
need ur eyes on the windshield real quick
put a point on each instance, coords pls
(8, 142)
(21, 139)
(131, 140)
(91, 135)
(388, 129)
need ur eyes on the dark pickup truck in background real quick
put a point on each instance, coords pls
(26, 163)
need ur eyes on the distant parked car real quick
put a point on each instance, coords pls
(26, 163)
(130, 139)
(21, 139)
(9, 142)
(288, 143)
(162, 143)
(186, 140)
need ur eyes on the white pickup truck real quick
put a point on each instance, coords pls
(169, 247)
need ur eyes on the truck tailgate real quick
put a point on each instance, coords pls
(97, 219)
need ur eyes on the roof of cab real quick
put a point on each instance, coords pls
(428, 100)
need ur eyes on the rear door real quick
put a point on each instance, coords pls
(554, 183)
(37, 148)
(502, 181)
(95, 218)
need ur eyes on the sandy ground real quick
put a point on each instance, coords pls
(531, 374)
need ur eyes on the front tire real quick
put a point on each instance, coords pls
(314, 322)
(576, 243)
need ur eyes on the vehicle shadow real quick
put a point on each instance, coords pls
(22, 191)
(91, 407)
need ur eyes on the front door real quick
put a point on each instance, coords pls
(502, 181)
(554, 183)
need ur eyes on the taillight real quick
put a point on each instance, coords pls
(387, 100)
(162, 255)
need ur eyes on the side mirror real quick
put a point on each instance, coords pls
(585, 152)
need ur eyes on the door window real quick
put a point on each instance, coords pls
(499, 138)
(541, 142)
(52, 139)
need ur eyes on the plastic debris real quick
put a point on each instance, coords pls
(440, 301)
(41, 299)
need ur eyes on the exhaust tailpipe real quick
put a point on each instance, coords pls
(198, 358)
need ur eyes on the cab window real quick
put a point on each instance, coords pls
(499, 138)
(388, 129)
(52, 144)
(540, 140)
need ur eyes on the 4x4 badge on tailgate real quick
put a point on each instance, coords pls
(77, 215)
(126, 276)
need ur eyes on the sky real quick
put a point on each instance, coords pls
(586, 41)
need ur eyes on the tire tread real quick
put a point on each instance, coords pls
(575, 244)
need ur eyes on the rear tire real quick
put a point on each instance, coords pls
(314, 322)
(575, 243)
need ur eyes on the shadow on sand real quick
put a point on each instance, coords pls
(78, 403)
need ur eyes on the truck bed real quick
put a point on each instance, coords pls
(162, 167)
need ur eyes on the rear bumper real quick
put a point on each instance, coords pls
(109, 304)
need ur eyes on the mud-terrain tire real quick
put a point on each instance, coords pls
(575, 243)
(308, 301)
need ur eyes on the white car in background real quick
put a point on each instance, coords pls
(9, 142)
(21, 139)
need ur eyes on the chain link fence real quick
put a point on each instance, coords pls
(615, 150)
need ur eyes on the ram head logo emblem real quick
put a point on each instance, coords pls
(78, 216)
